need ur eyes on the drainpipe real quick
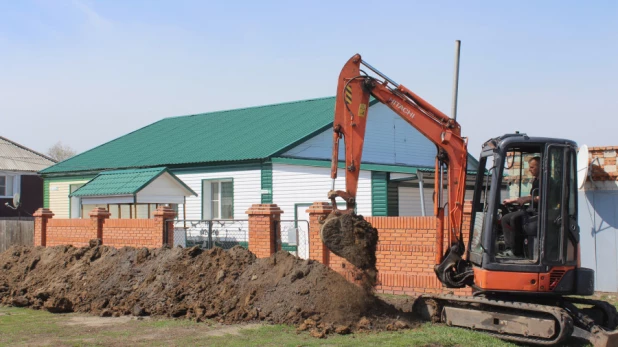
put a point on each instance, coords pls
(422, 192)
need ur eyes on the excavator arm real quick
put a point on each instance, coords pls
(351, 111)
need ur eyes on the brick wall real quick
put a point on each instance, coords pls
(132, 232)
(603, 163)
(405, 252)
(112, 232)
(76, 232)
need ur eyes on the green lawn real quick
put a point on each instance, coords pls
(20, 326)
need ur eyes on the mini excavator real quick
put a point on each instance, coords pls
(534, 293)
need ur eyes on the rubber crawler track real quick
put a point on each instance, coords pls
(563, 320)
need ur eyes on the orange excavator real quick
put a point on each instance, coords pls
(527, 282)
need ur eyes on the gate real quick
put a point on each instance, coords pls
(295, 237)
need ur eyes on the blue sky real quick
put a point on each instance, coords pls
(86, 72)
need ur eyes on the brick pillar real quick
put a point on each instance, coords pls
(317, 250)
(264, 240)
(41, 216)
(164, 218)
(97, 217)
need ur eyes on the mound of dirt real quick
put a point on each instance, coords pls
(228, 286)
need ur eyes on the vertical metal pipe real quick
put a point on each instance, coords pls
(439, 213)
(422, 192)
(456, 81)
(210, 245)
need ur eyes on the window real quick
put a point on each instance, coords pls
(6, 185)
(75, 202)
(553, 229)
(218, 199)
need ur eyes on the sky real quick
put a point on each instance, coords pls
(85, 72)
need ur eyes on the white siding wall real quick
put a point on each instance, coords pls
(247, 192)
(294, 184)
(59, 197)
(388, 140)
(410, 200)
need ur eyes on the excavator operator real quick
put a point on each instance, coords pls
(512, 222)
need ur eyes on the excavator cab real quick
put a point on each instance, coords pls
(538, 251)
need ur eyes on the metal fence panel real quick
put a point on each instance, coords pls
(211, 233)
(229, 233)
(295, 237)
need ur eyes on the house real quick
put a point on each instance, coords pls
(18, 176)
(268, 154)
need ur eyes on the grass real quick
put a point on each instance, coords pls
(26, 327)
(425, 335)
(21, 326)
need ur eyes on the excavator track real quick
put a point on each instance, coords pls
(495, 314)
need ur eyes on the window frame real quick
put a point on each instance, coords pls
(6, 180)
(11, 185)
(206, 198)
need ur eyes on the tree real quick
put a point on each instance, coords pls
(60, 152)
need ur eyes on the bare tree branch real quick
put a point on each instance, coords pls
(60, 152)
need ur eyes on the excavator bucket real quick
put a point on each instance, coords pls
(598, 337)
(351, 237)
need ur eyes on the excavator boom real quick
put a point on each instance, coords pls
(351, 112)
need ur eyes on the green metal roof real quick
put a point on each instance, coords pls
(122, 182)
(242, 134)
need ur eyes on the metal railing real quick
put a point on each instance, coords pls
(229, 233)
(211, 233)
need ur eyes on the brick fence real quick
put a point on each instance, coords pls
(112, 232)
(603, 163)
(405, 252)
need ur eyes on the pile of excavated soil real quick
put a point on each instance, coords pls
(228, 286)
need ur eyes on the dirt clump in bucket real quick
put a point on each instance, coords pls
(229, 286)
(351, 237)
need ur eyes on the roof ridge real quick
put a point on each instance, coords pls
(131, 170)
(27, 149)
(251, 107)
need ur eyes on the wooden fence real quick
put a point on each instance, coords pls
(16, 232)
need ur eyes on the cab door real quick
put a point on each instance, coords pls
(559, 201)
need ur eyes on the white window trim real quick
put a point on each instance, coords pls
(207, 198)
(15, 186)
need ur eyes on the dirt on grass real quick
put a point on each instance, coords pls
(230, 286)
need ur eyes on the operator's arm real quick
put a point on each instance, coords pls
(521, 200)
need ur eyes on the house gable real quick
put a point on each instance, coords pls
(389, 140)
